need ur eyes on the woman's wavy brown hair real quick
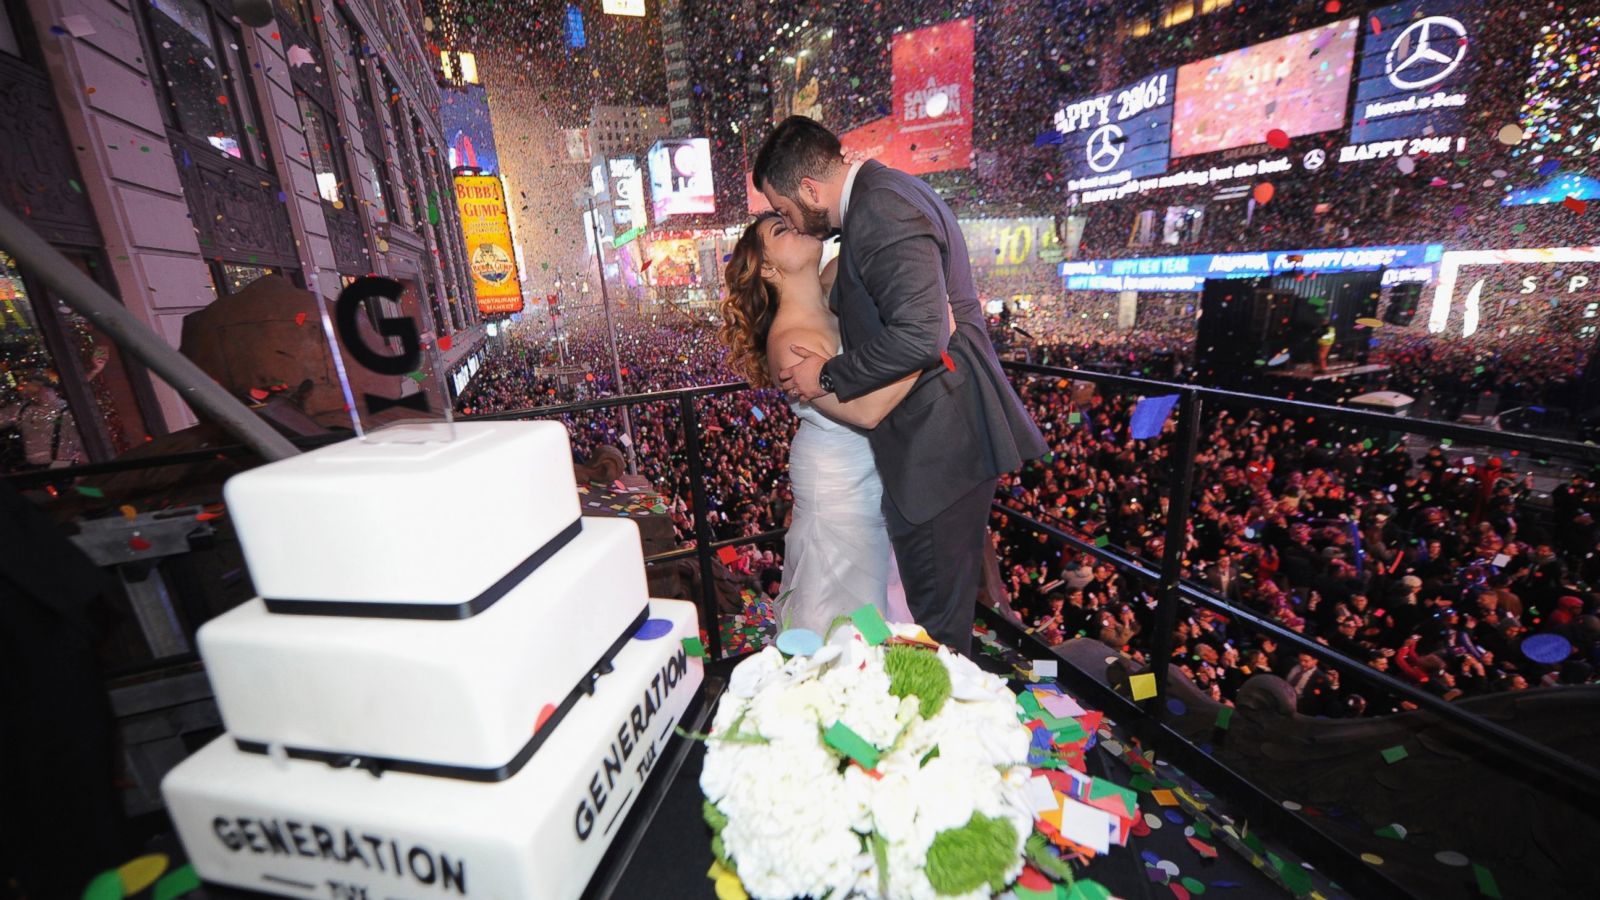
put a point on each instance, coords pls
(748, 306)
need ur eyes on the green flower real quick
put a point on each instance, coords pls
(914, 671)
(978, 853)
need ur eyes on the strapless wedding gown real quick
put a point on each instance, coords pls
(836, 554)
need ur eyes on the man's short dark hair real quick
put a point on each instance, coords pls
(798, 148)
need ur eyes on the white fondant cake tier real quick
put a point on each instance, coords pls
(412, 524)
(465, 693)
(303, 829)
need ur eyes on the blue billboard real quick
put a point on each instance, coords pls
(464, 113)
(1418, 60)
(1120, 135)
(1189, 273)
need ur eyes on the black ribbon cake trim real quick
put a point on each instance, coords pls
(378, 765)
(431, 611)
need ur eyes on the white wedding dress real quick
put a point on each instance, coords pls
(836, 555)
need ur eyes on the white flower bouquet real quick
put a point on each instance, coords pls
(872, 764)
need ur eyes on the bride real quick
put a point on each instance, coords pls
(836, 555)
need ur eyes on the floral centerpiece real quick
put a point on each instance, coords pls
(875, 763)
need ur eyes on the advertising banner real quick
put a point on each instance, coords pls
(1298, 83)
(576, 143)
(487, 229)
(622, 7)
(1417, 65)
(627, 192)
(797, 77)
(464, 113)
(874, 140)
(1189, 273)
(1009, 246)
(674, 259)
(1120, 135)
(932, 79)
(680, 178)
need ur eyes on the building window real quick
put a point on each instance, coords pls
(207, 97)
(407, 159)
(1183, 225)
(369, 114)
(1177, 12)
(324, 157)
(1144, 229)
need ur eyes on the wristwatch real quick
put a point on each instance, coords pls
(825, 380)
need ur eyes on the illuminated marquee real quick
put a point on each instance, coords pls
(1189, 273)
(1452, 262)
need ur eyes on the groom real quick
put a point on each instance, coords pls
(902, 265)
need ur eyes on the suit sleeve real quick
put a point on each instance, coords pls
(903, 271)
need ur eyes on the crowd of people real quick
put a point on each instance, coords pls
(1425, 564)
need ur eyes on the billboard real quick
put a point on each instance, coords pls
(1119, 135)
(1189, 273)
(674, 259)
(576, 143)
(1417, 62)
(932, 84)
(680, 178)
(627, 192)
(1007, 246)
(487, 228)
(1297, 83)
(874, 140)
(464, 113)
(797, 76)
(1560, 141)
(622, 7)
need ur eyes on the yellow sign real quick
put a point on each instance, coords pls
(487, 227)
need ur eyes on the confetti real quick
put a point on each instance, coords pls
(1264, 192)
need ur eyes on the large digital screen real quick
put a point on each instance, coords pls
(1560, 117)
(932, 82)
(1122, 134)
(1003, 246)
(680, 178)
(1417, 61)
(464, 113)
(486, 225)
(1297, 83)
(627, 192)
(622, 7)
(1189, 273)
(675, 259)
(797, 76)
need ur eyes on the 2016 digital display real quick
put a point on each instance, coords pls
(1297, 83)
(1119, 135)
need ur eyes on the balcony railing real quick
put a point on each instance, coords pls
(1148, 719)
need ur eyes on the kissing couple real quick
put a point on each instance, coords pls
(906, 418)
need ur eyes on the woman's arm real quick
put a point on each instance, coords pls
(865, 411)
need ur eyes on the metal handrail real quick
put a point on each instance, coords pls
(1172, 588)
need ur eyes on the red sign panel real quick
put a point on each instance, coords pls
(932, 113)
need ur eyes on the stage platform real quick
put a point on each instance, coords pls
(1308, 372)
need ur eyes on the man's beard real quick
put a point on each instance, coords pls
(813, 222)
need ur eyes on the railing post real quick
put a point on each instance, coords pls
(702, 526)
(1168, 595)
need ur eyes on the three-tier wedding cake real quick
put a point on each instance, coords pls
(451, 684)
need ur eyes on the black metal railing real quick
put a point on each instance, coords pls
(1148, 719)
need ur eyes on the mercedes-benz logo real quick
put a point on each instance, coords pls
(1104, 148)
(1421, 60)
(1314, 159)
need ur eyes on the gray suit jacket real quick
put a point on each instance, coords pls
(902, 261)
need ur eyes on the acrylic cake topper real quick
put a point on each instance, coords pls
(390, 372)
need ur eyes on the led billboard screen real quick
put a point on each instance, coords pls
(1298, 83)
